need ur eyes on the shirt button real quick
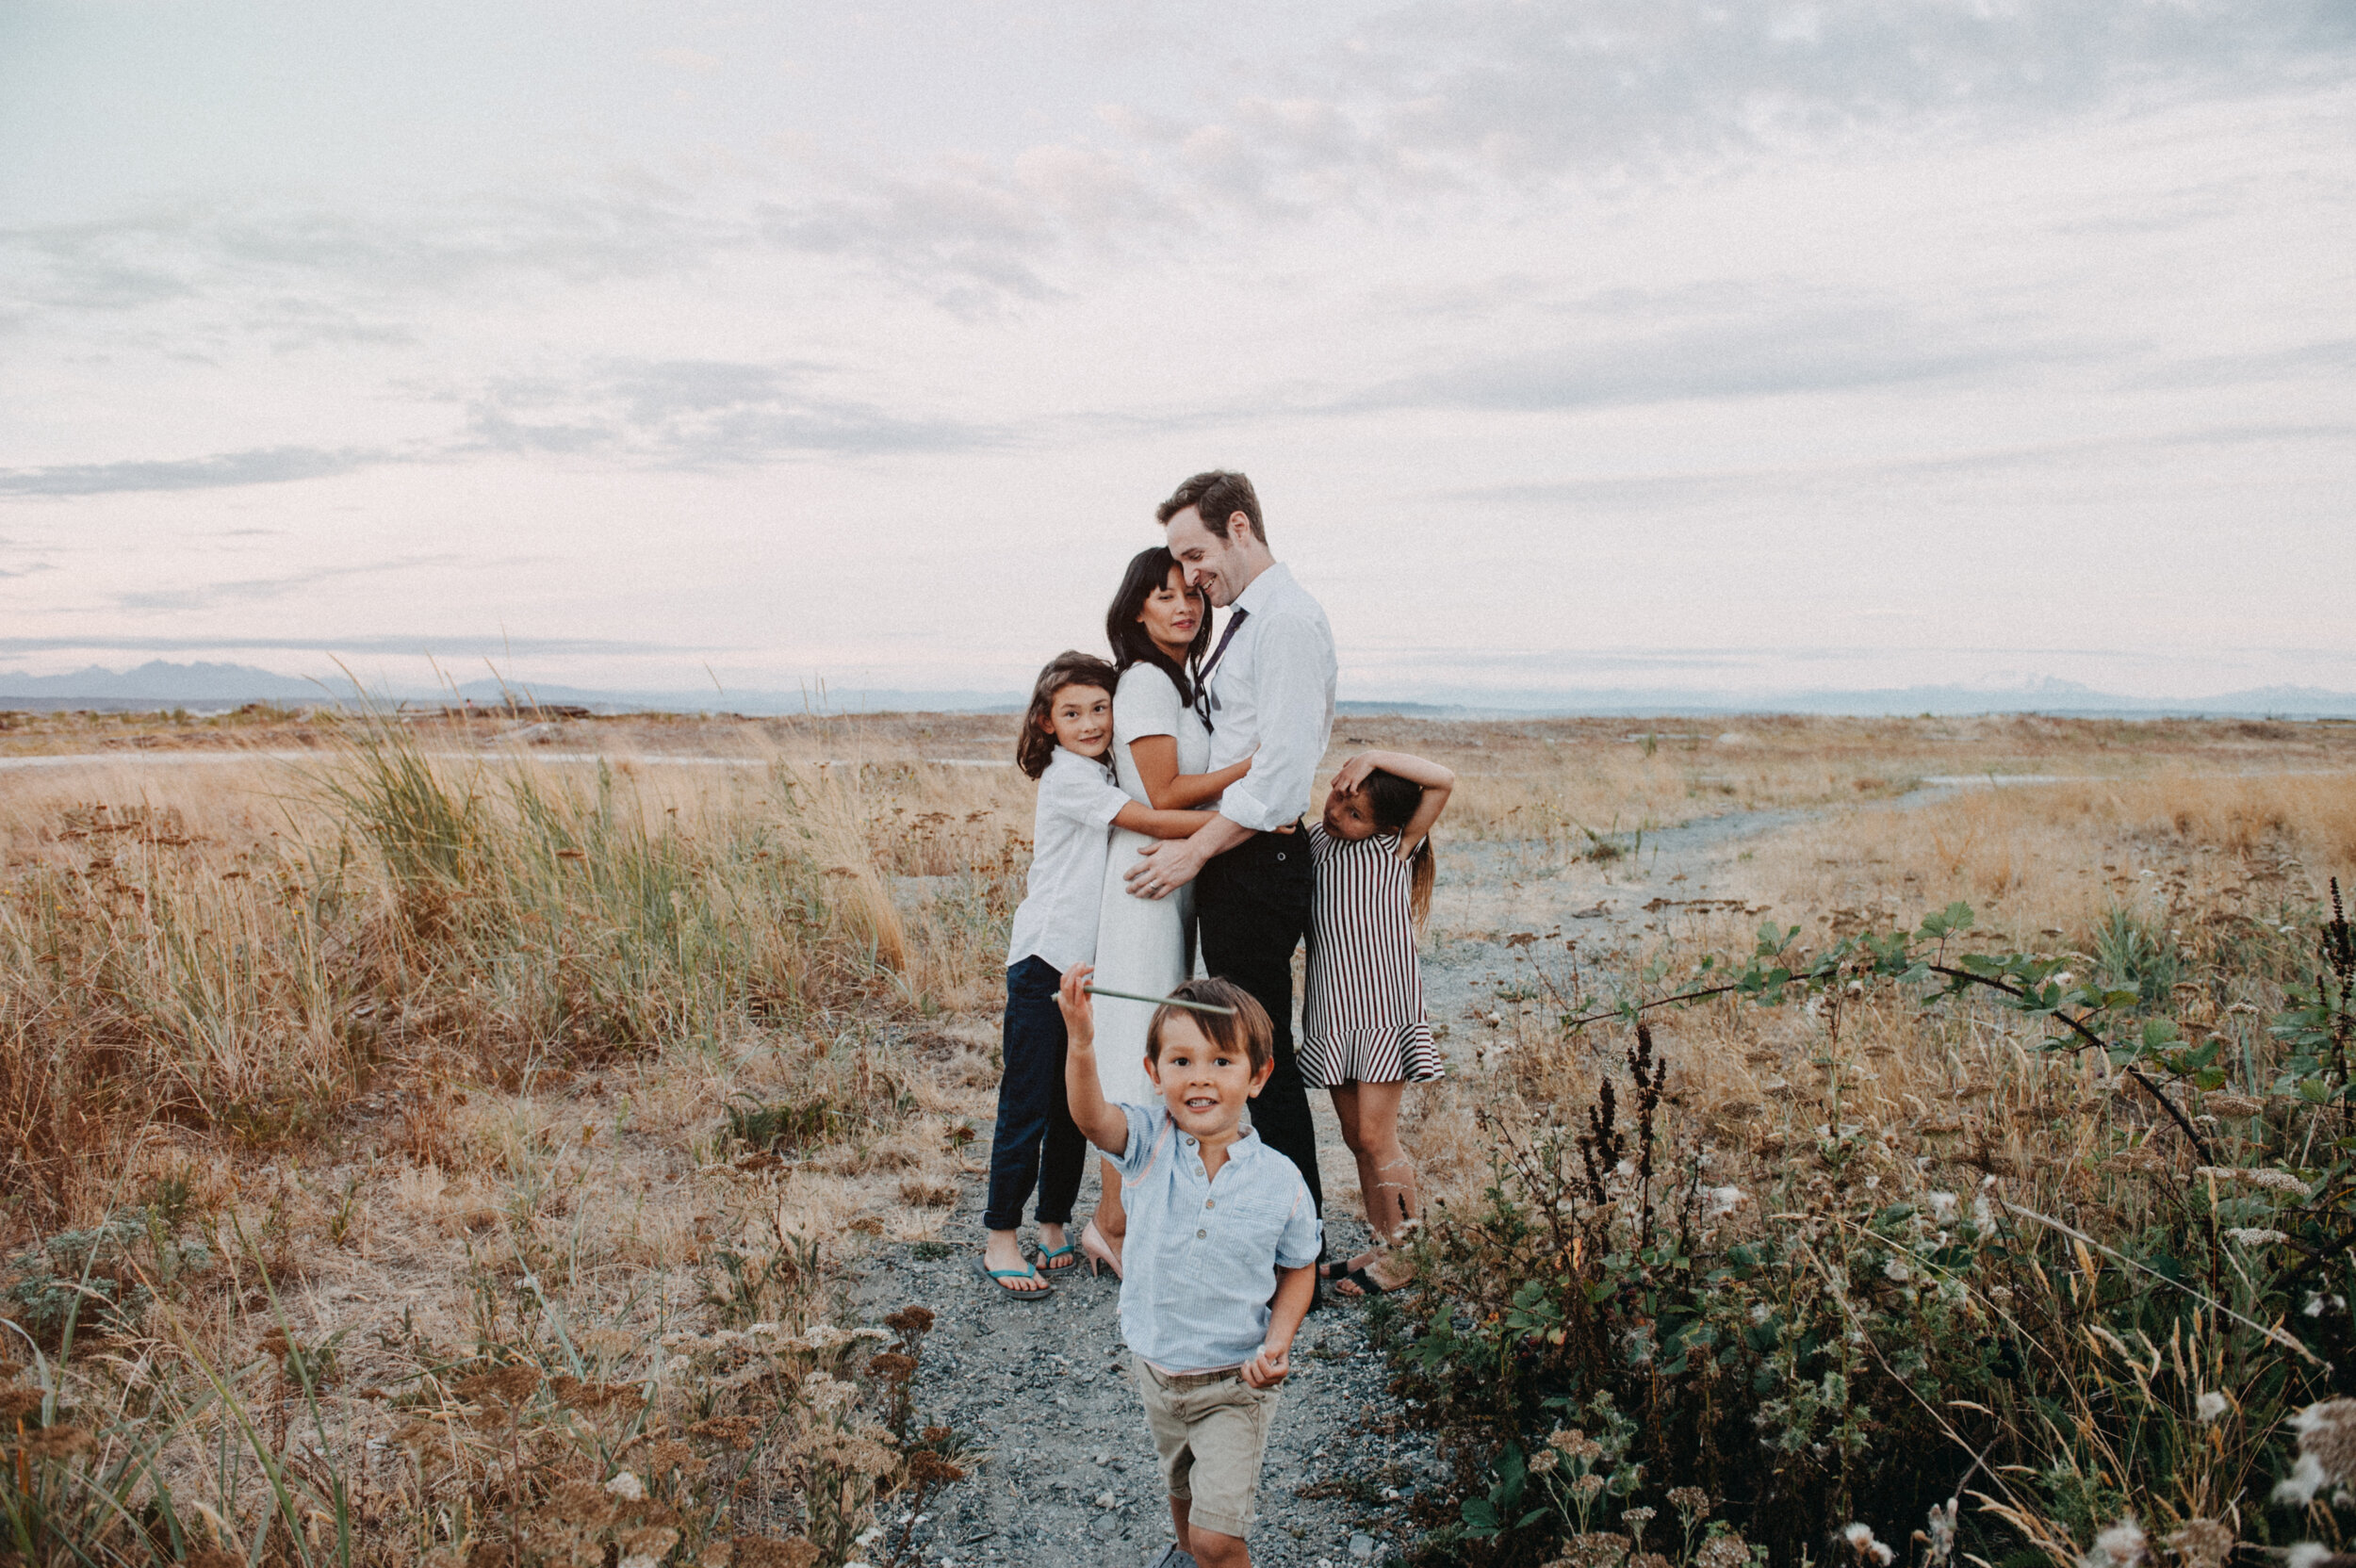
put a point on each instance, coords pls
(1199, 1234)
(1210, 1202)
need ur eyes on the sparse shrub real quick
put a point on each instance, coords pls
(1839, 1312)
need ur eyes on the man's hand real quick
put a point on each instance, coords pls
(1272, 1366)
(1079, 1012)
(1163, 868)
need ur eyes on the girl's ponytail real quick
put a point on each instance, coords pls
(1421, 871)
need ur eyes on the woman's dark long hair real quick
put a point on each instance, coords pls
(1131, 644)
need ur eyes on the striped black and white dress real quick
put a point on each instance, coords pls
(1362, 1011)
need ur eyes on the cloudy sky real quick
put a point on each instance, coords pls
(1624, 342)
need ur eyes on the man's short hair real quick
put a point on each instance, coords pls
(1215, 496)
(1246, 1030)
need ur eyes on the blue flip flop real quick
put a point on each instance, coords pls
(1048, 1255)
(1025, 1272)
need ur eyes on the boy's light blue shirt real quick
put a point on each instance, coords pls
(1199, 1266)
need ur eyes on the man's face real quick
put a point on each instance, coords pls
(1210, 563)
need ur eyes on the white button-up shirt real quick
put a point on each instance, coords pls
(1273, 695)
(1071, 840)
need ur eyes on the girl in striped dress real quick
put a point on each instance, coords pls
(1362, 1033)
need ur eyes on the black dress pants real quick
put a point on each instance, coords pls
(1251, 907)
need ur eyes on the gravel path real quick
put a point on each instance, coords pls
(1060, 1469)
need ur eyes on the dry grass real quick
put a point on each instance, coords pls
(393, 1031)
(1864, 1166)
(510, 1048)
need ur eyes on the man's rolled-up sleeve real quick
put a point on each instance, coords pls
(1294, 661)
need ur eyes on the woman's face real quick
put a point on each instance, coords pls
(1172, 614)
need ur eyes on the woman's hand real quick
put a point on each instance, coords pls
(1079, 1012)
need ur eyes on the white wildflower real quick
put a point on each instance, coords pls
(628, 1487)
(2307, 1554)
(2121, 1547)
(2210, 1406)
(2256, 1176)
(1896, 1269)
(1944, 1205)
(1861, 1539)
(2327, 1450)
(1723, 1201)
(1942, 1530)
(2254, 1235)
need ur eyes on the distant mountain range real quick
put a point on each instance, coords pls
(159, 684)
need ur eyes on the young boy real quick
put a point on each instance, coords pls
(1220, 1260)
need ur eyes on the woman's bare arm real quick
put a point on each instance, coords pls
(1160, 825)
(1157, 757)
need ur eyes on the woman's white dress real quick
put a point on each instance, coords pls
(1142, 944)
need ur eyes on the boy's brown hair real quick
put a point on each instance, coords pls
(1246, 1030)
(1036, 747)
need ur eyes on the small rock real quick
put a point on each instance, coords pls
(1362, 1546)
(1106, 1499)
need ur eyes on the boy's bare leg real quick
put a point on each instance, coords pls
(1208, 1547)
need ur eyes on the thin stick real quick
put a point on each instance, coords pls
(1162, 1001)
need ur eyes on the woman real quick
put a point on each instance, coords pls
(1159, 630)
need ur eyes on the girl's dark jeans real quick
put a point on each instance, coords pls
(1037, 1143)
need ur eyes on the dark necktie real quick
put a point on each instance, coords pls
(1234, 619)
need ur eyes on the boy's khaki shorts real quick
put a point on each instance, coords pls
(1210, 1430)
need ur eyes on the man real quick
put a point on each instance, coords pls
(1270, 690)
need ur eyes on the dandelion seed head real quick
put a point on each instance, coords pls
(2122, 1546)
(2203, 1543)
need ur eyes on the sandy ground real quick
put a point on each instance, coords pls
(1063, 1472)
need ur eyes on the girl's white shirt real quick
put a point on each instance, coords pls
(1071, 840)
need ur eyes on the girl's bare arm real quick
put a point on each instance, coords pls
(1157, 757)
(1099, 1122)
(1160, 825)
(1436, 781)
